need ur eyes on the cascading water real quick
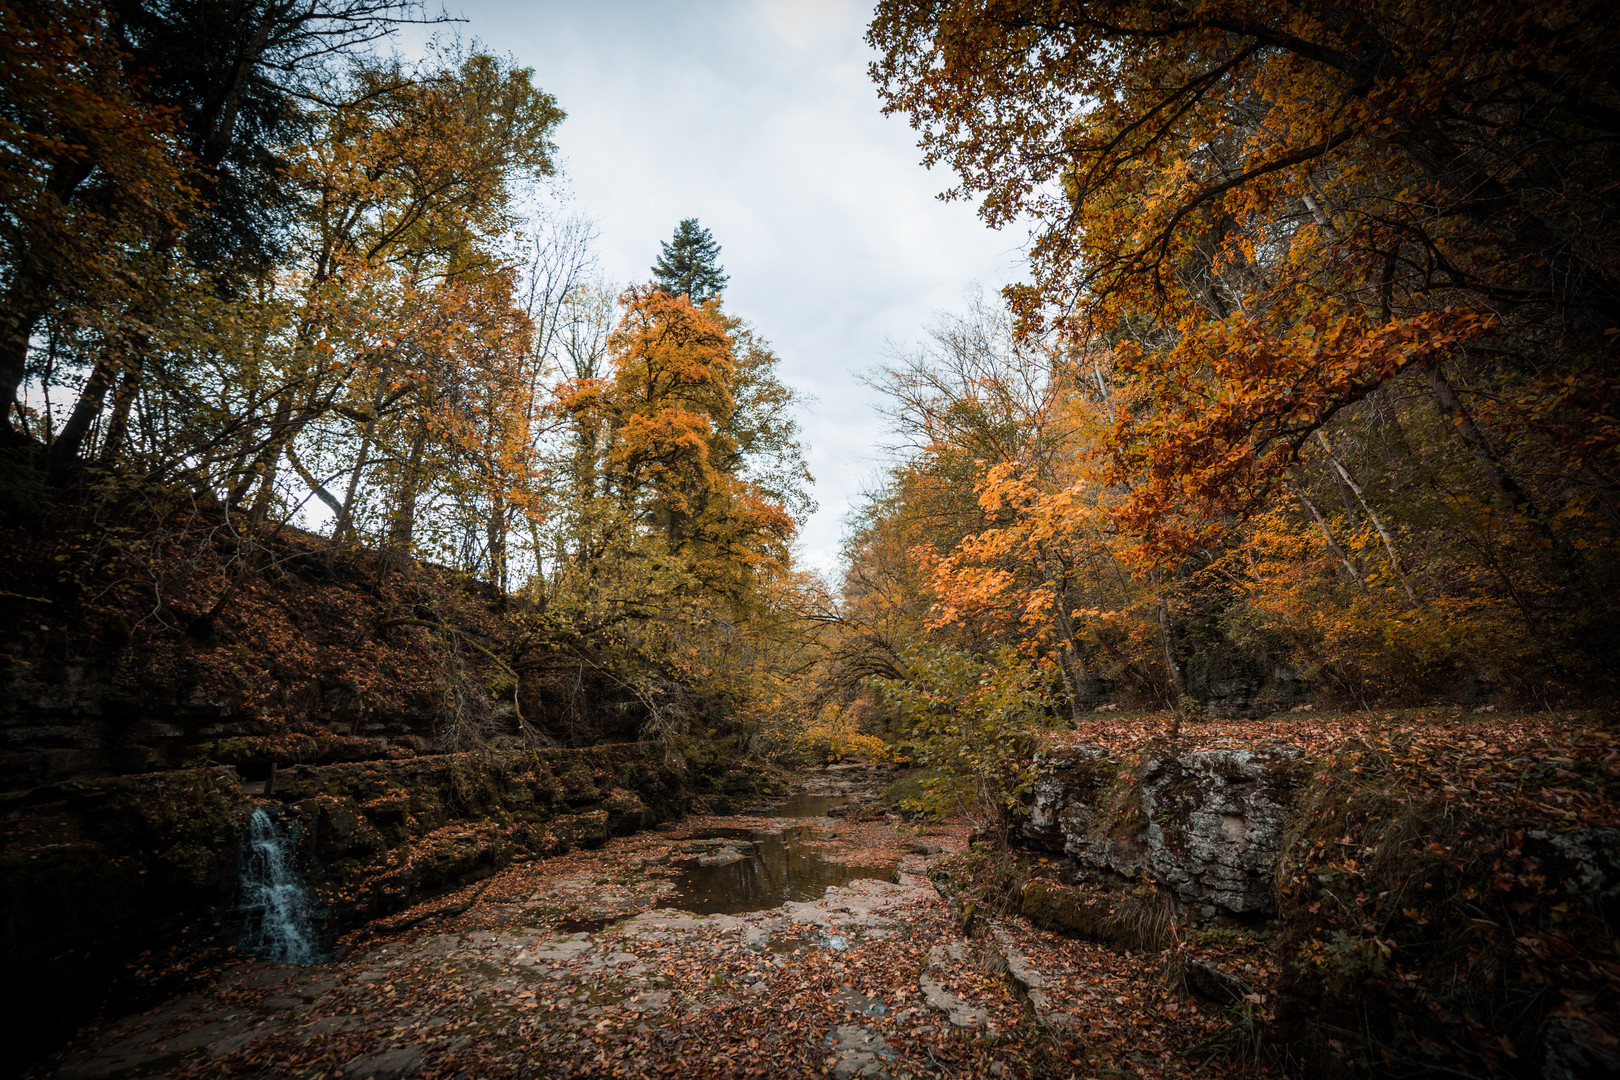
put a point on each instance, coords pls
(273, 900)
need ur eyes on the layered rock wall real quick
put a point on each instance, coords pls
(1208, 825)
(97, 871)
(67, 716)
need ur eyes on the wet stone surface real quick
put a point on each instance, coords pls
(803, 804)
(584, 965)
(695, 946)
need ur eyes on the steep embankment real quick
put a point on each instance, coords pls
(1373, 894)
(161, 674)
(674, 952)
(173, 641)
(96, 872)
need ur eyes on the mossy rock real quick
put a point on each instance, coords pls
(1088, 777)
(188, 822)
(579, 785)
(1067, 911)
(626, 812)
(909, 796)
(547, 789)
(389, 809)
(1119, 920)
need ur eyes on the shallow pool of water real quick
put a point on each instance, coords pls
(803, 804)
(779, 867)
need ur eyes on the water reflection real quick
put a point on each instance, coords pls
(778, 868)
(803, 804)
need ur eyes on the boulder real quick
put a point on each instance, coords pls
(1206, 824)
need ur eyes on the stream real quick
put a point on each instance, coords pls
(800, 939)
(730, 871)
(751, 871)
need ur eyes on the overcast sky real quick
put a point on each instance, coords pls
(757, 118)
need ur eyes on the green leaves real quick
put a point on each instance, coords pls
(690, 264)
(970, 718)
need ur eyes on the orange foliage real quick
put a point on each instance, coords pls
(1288, 260)
(670, 461)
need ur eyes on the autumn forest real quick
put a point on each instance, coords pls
(1217, 677)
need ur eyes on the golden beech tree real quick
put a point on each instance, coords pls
(675, 482)
(364, 323)
(669, 395)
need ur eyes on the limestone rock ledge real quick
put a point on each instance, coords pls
(1208, 825)
(96, 871)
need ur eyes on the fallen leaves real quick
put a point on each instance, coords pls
(505, 988)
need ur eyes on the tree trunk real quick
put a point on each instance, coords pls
(497, 545)
(311, 482)
(1327, 534)
(402, 527)
(269, 461)
(1372, 515)
(1507, 488)
(1178, 685)
(118, 422)
(17, 324)
(344, 525)
(1070, 664)
(345, 522)
(260, 510)
(64, 451)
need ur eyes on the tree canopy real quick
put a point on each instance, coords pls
(262, 277)
(1312, 387)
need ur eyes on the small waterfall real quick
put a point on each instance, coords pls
(274, 901)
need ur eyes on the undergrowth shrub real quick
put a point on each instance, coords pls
(969, 720)
(908, 796)
(1424, 931)
(835, 735)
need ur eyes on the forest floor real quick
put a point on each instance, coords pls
(585, 965)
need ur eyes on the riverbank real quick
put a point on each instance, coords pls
(117, 890)
(583, 965)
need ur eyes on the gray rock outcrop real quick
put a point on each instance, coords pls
(1206, 824)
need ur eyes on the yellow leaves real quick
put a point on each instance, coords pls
(663, 423)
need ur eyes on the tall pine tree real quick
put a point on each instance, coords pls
(690, 264)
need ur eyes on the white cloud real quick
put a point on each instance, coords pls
(810, 24)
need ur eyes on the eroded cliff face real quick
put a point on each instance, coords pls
(96, 871)
(1416, 886)
(73, 711)
(121, 664)
(1208, 825)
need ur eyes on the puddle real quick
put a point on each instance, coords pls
(804, 805)
(789, 944)
(860, 1003)
(777, 868)
(584, 926)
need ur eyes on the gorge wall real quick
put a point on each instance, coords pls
(1411, 890)
(97, 872)
(1207, 825)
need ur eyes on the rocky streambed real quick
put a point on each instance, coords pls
(803, 939)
